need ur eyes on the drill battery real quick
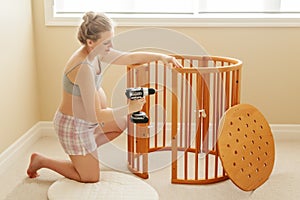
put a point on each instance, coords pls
(139, 117)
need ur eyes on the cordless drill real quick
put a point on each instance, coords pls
(138, 93)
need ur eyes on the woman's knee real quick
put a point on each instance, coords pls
(87, 167)
(90, 178)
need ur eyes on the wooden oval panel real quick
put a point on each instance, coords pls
(246, 146)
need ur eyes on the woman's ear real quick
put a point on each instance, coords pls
(89, 42)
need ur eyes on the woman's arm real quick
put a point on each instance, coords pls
(85, 81)
(114, 114)
(129, 58)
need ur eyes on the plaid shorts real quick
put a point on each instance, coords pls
(75, 135)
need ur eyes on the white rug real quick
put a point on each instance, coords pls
(112, 186)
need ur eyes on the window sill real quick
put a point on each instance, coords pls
(201, 20)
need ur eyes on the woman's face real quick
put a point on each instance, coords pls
(103, 45)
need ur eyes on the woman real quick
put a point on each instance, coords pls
(83, 122)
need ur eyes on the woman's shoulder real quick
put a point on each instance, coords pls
(75, 60)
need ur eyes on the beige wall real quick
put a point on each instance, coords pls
(32, 64)
(18, 84)
(269, 77)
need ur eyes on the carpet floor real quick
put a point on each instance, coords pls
(282, 184)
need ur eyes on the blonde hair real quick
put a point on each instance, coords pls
(93, 25)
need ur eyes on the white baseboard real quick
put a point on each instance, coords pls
(285, 131)
(16, 149)
(46, 129)
(285, 128)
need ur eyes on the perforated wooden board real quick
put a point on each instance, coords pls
(246, 146)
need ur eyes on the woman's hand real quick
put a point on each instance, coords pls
(136, 105)
(168, 60)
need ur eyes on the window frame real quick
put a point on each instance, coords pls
(183, 20)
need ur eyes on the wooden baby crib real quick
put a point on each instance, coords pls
(183, 116)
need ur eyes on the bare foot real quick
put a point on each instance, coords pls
(35, 165)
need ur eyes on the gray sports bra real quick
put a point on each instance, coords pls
(74, 89)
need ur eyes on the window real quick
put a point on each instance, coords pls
(179, 12)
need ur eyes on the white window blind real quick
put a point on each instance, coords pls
(128, 7)
(251, 6)
(178, 12)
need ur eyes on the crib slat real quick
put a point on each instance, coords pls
(233, 85)
(181, 105)
(186, 126)
(217, 117)
(186, 114)
(190, 111)
(227, 90)
(130, 137)
(214, 106)
(164, 105)
(181, 110)
(138, 166)
(174, 125)
(198, 123)
(206, 100)
(238, 88)
(205, 138)
(156, 103)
